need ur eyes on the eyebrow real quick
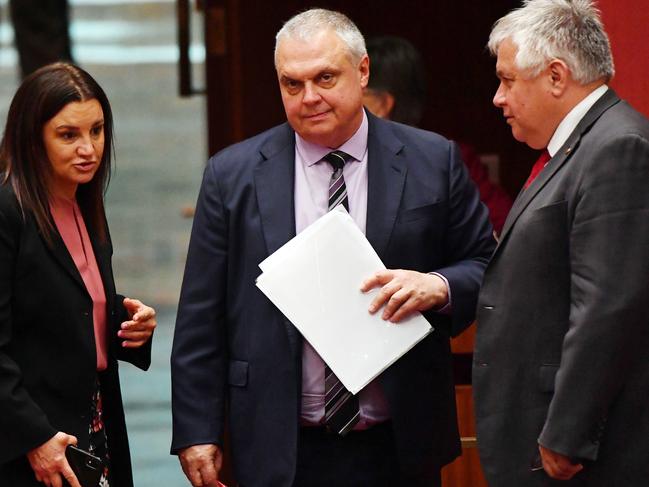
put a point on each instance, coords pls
(324, 69)
(74, 127)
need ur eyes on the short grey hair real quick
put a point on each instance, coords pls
(570, 30)
(309, 23)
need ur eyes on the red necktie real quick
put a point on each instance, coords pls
(538, 167)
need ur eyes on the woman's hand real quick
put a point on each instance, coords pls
(49, 463)
(142, 322)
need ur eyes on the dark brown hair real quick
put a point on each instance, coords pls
(396, 66)
(23, 158)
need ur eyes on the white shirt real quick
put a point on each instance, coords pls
(570, 121)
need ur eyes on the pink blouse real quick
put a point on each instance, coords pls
(70, 224)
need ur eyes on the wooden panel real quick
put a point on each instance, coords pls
(465, 415)
(465, 471)
(464, 342)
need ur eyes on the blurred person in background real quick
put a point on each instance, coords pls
(41, 32)
(397, 91)
(62, 325)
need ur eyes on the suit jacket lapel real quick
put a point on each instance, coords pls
(274, 182)
(567, 150)
(526, 196)
(103, 263)
(386, 178)
(61, 254)
(274, 185)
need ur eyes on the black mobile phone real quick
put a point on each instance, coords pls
(537, 463)
(86, 466)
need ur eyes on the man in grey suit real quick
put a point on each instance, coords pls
(561, 376)
(236, 358)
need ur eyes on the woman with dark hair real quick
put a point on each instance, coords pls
(62, 325)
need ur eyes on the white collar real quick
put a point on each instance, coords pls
(570, 121)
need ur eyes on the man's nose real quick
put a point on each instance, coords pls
(311, 94)
(499, 97)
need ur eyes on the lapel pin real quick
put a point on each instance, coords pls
(568, 151)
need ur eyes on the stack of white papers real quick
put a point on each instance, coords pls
(315, 279)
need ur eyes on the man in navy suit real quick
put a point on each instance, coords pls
(236, 357)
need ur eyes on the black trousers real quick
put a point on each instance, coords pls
(41, 32)
(360, 459)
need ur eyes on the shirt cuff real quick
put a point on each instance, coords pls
(448, 307)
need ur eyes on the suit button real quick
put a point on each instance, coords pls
(488, 308)
(85, 313)
(483, 364)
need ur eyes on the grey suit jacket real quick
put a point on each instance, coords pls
(233, 350)
(563, 332)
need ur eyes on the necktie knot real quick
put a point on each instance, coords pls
(337, 159)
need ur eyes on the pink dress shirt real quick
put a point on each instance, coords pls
(69, 222)
(312, 176)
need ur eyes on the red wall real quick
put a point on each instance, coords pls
(627, 24)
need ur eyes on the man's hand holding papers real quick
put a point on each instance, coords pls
(314, 280)
(405, 292)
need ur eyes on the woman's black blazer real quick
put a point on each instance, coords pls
(47, 347)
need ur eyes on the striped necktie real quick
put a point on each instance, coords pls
(341, 406)
(337, 188)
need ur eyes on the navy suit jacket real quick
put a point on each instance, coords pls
(234, 351)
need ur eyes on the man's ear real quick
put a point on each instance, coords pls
(364, 71)
(559, 76)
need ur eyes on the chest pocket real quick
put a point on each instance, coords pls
(544, 228)
(546, 214)
(420, 213)
(416, 229)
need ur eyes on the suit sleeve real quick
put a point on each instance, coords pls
(198, 358)
(607, 334)
(23, 425)
(469, 243)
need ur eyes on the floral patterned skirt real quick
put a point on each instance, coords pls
(98, 438)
